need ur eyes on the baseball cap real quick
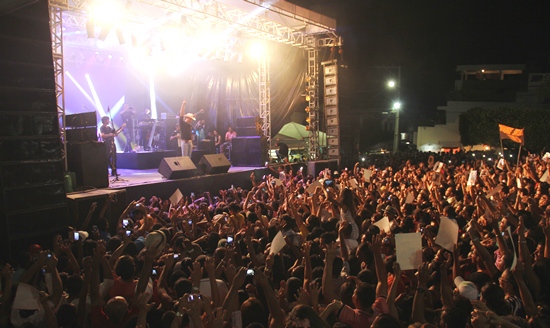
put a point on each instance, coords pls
(466, 288)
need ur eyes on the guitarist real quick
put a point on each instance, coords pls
(108, 135)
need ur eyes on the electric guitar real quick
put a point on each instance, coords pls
(120, 129)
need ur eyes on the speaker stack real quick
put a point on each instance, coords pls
(248, 151)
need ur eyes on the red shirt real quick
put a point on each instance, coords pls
(122, 288)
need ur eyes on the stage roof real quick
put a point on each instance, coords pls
(275, 20)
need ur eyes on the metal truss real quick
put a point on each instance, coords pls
(265, 98)
(312, 90)
(223, 15)
(56, 30)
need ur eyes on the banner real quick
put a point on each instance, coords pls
(507, 132)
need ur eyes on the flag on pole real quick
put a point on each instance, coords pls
(508, 132)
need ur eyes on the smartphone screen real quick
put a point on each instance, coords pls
(76, 235)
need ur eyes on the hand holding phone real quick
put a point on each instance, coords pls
(76, 235)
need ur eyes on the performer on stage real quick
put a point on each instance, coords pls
(108, 134)
(186, 130)
(144, 128)
(127, 114)
(186, 133)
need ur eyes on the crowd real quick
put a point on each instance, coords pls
(304, 251)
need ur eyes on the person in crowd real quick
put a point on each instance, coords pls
(298, 253)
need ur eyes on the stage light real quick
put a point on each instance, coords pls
(256, 50)
(308, 98)
(307, 109)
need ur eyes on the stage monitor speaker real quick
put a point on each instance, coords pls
(215, 163)
(90, 163)
(197, 154)
(177, 167)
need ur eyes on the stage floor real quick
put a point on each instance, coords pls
(129, 177)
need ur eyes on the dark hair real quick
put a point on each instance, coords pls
(493, 297)
(366, 294)
(125, 267)
(385, 320)
(301, 312)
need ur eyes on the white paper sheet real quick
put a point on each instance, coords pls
(311, 188)
(383, 224)
(447, 237)
(277, 244)
(408, 250)
(367, 174)
(472, 178)
(176, 197)
(410, 198)
(494, 191)
(544, 177)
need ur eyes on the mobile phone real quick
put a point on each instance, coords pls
(49, 255)
(128, 232)
(124, 222)
(191, 298)
(301, 168)
(192, 194)
(250, 272)
(154, 272)
(176, 256)
(503, 233)
(230, 240)
(190, 222)
(76, 235)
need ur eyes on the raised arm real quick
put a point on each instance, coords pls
(328, 285)
(277, 315)
(393, 290)
(381, 274)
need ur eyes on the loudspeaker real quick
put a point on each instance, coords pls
(246, 121)
(314, 167)
(177, 167)
(247, 131)
(79, 205)
(215, 163)
(249, 151)
(81, 120)
(81, 134)
(89, 161)
(197, 154)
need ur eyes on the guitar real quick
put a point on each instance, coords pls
(120, 129)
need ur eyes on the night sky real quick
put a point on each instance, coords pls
(429, 38)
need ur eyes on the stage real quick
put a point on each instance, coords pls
(149, 182)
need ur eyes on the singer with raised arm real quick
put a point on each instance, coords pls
(186, 130)
(108, 134)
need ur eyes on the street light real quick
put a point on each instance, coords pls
(396, 108)
(391, 84)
